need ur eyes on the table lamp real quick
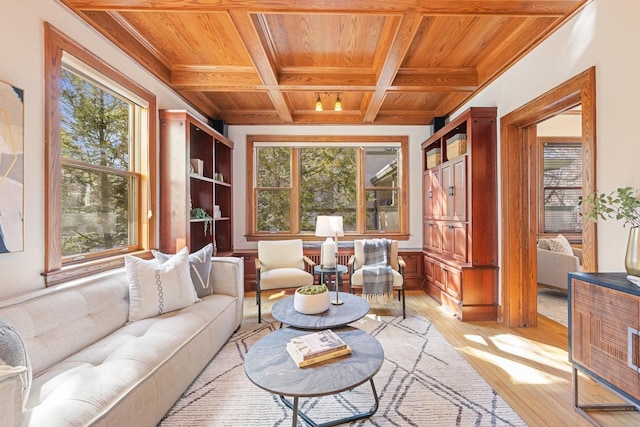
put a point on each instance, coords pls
(329, 226)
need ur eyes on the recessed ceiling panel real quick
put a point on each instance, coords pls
(325, 40)
(188, 38)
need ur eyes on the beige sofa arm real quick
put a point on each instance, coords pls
(554, 267)
(227, 278)
(578, 252)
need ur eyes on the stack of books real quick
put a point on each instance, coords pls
(316, 347)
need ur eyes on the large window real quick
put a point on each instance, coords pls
(295, 179)
(98, 162)
(561, 185)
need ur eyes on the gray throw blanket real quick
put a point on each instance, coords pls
(377, 274)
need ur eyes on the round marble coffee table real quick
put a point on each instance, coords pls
(269, 366)
(353, 308)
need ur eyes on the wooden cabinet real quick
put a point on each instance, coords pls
(604, 337)
(196, 164)
(460, 218)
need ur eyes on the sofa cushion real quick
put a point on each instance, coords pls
(156, 288)
(560, 244)
(199, 267)
(544, 244)
(82, 388)
(14, 354)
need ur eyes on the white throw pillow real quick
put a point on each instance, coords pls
(560, 244)
(200, 268)
(156, 288)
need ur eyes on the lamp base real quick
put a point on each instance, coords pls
(337, 300)
(327, 253)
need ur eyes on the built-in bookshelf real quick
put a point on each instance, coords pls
(196, 163)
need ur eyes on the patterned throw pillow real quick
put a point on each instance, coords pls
(14, 355)
(560, 244)
(156, 288)
(199, 266)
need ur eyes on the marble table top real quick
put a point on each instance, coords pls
(353, 308)
(269, 366)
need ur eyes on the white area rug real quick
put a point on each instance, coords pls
(423, 382)
(552, 303)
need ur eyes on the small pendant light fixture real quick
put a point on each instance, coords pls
(338, 105)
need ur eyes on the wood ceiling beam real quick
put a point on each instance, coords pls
(254, 32)
(320, 80)
(398, 49)
(215, 78)
(556, 8)
(463, 79)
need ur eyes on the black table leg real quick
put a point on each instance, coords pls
(355, 417)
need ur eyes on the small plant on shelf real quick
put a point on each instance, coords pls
(201, 213)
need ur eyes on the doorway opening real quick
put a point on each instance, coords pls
(520, 216)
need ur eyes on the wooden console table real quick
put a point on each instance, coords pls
(604, 337)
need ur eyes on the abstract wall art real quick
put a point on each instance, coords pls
(11, 168)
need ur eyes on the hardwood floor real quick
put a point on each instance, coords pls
(528, 367)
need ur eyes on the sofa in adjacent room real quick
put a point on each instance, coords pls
(556, 259)
(89, 364)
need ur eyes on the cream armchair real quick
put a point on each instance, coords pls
(554, 267)
(280, 265)
(356, 275)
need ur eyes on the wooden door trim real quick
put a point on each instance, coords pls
(518, 178)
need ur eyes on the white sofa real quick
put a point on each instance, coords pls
(92, 367)
(554, 267)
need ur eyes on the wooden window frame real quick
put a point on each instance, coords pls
(542, 140)
(403, 221)
(55, 271)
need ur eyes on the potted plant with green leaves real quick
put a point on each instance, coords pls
(311, 299)
(621, 204)
(201, 213)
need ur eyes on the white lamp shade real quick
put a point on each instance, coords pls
(329, 226)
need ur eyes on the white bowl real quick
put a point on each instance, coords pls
(311, 304)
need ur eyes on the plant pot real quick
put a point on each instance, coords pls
(311, 304)
(632, 259)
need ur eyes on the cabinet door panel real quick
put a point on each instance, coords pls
(427, 195)
(459, 191)
(460, 241)
(600, 322)
(447, 239)
(429, 267)
(447, 191)
(454, 283)
(440, 276)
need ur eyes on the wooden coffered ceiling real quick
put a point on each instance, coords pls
(265, 61)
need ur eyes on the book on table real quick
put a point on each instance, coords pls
(316, 347)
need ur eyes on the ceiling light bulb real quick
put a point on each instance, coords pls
(338, 105)
(318, 104)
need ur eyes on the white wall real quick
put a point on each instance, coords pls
(22, 65)
(605, 35)
(416, 134)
